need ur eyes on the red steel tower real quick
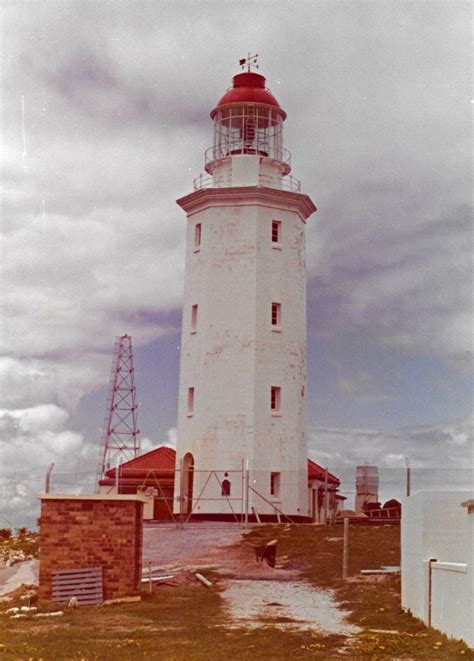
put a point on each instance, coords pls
(120, 435)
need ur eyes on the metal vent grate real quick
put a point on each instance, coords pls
(84, 584)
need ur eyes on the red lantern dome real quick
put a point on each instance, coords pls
(248, 87)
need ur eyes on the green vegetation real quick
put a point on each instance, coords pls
(374, 604)
(190, 622)
(175, 623)
(14, 548)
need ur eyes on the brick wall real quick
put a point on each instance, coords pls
(101, 531)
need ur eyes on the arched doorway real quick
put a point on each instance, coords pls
(187, 484)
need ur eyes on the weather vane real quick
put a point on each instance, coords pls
(249, 61)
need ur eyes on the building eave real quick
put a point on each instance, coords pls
(247, 196)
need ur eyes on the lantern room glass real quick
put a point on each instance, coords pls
(248, 128)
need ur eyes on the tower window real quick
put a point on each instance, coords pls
(197, 236)
(274, 484)
(194, 318)
(190, 401)
(275, 399)
(276, 231)
(276, 314)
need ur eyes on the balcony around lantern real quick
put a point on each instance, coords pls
(238, 147)
(287, 183)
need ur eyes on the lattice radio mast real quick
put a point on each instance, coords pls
(120, 435)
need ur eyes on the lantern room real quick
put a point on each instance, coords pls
(248, 120)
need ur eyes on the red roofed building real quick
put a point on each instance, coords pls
(153, 475)
(150, 474)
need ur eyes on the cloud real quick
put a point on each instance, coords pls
(30, 440)
(404, 284)
(26, 382)
(441, 457)
(172, 437)
(116, 121)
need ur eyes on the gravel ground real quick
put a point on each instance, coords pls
(255, 593)
(165, 544)
(23, 572)
(302, 605)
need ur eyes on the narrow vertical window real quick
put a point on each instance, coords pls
(276, 231)
(194, 318)
(190, 401)
(275, 484)
(276, 314)
(275, 399)
(197, 236)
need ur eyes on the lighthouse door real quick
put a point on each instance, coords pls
(188, 483)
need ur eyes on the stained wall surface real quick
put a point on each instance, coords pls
(233, 356)
(436, 526)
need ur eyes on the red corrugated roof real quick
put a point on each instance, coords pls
(161, 459)
(317, 472)
(164, 459)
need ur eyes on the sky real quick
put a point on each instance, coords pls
(105, 122)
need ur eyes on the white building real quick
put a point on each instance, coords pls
(242, 395)
(437, 531)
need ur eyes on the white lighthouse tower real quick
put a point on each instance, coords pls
(241, 413)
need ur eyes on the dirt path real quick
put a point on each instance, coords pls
(205, 544)
(256, 594)
(23, 572)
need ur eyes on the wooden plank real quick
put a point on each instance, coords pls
(60, 572)
(82, 581)
(77, 593)
(83, 584)
(74, 577)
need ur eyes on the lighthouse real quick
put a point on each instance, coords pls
(242, 443)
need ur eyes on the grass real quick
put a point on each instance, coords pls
(317, 552)
(190, 622)
(175, 623)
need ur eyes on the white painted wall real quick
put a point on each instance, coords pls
(435, 525)
(235, 356)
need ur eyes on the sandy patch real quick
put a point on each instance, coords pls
(294, 606)
(23, 573)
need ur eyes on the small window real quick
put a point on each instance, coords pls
(276, 314)
(274, 484)
(276, 231)
(275, 399)
(194, 318)
(197, 236)
(190, 401)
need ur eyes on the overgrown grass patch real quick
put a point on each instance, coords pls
(190, 622)
(317, 552)
(174, 623)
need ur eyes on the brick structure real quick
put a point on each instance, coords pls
(78, 532)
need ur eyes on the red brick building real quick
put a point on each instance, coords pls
(79, 533)
(153, 474)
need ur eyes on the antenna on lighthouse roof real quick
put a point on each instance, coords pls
(249, 61)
